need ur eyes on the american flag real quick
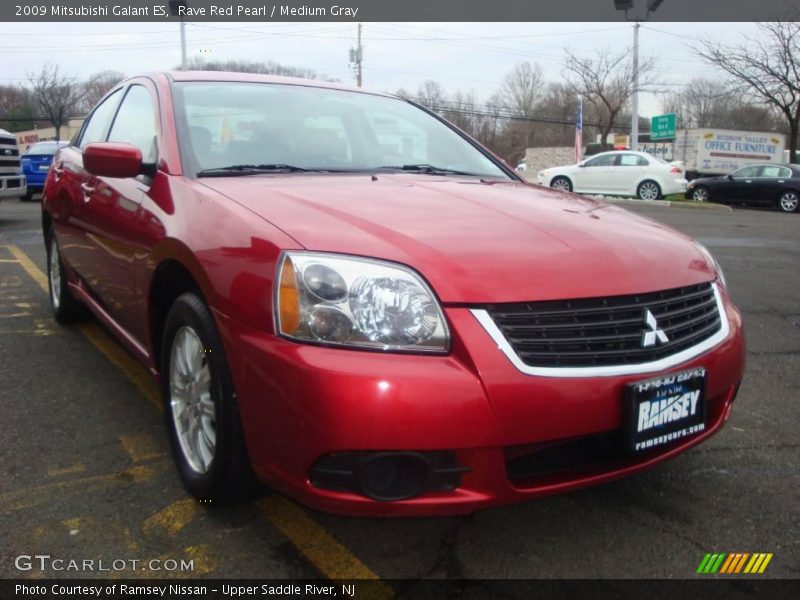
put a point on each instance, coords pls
(579, 133)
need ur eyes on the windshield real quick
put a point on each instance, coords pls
(44, 148)
(299, 128)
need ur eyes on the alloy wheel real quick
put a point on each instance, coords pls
(700, 195)
(54, 271)
(191, 404)
(789, 201)
(561, 184)
(649, 191)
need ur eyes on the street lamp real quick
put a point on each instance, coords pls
(626, 5)
(174, 6)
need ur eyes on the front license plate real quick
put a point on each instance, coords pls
(665, 409)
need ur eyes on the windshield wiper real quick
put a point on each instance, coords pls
(427, 169)
(234, 170)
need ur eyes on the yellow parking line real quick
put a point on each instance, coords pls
(174, 517)
(140, 447)
(58, 472)
(316, 544)
(28, 497)
(329, 556)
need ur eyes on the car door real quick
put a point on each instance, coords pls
(115, 217)
(766, 187)
(628, 170)
(72, 200)
(738, 186)
(595, 175)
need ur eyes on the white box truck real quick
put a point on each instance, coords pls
(12, 181)
(706, 152)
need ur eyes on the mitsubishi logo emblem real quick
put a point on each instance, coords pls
(654, 335)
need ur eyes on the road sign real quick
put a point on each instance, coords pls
(662, 127)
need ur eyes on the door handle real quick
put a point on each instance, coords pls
(748, 181)
(87, 192)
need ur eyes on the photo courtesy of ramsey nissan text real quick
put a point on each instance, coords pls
(414, 300)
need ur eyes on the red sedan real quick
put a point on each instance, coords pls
(347, 298)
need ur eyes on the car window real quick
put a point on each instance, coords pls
(775, 172)
(43, 148)
(632, 160)
(749, 171)
(135, 123)
(97, 125)
(606, 160)
(238, 123)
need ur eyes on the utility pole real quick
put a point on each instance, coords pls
(356, 57)
(183, 45)
(175, 7)
(634, 143)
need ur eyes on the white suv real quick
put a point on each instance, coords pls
(618, 173)
(12, 181)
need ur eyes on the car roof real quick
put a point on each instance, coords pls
(235, 77)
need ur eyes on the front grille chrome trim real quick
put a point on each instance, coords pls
(667, 362)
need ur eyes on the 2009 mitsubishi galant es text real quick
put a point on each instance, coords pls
(347, 298)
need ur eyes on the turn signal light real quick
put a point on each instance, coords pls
(288, 299)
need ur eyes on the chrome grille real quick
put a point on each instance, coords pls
(592, 332)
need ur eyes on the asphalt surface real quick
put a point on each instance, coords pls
(85, 471)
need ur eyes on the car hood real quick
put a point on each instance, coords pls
(476, 242)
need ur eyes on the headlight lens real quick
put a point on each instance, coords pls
(360, 302)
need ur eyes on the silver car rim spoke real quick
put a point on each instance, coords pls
(789, 202)
(191, 404)
(55, 274)
(648, 191)
(700, 195)
(560, 184)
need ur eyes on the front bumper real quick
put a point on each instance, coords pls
(12, 186)
(300, 403)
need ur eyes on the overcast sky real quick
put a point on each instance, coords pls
(460, 56)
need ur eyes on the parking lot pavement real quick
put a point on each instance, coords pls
(85, 472)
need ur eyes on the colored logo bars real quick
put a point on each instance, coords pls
(742, 562)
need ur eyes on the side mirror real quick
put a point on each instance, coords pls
(729, 177)
(112, 159)
(582, 164)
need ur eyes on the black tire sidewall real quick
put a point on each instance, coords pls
(190, 310)
(69, 309)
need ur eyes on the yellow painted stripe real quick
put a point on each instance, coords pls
(28, 497)
(317, 545)
(140, 447)
(329, 556)
(130, 367)
(173, 518)
(728, 562)
(740, 564)
(750, 564)
(764, 564)
(29, 266)
(60, 471)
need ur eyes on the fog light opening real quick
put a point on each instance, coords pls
(391, 477)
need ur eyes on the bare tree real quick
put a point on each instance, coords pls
(768, 66)
(605, 81)
(96, 88)
(522, 88)
(57, 96)
(702, 102)
(431, 94)
(16, 108)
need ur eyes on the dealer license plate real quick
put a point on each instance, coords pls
(665, 409)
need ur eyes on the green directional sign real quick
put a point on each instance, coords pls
(662, 127)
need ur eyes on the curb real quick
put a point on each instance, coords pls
(669, 204)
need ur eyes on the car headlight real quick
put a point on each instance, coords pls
(713, 261)
(358, 302)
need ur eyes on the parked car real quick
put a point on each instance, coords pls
(12, 181)
(618, 173)
(35, 164)
(348, 297)
(759, 184)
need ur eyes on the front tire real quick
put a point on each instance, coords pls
(648, 190)
(789, 201)
(66, 309)
(28, 195)
(561, 183)
(202, 416)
